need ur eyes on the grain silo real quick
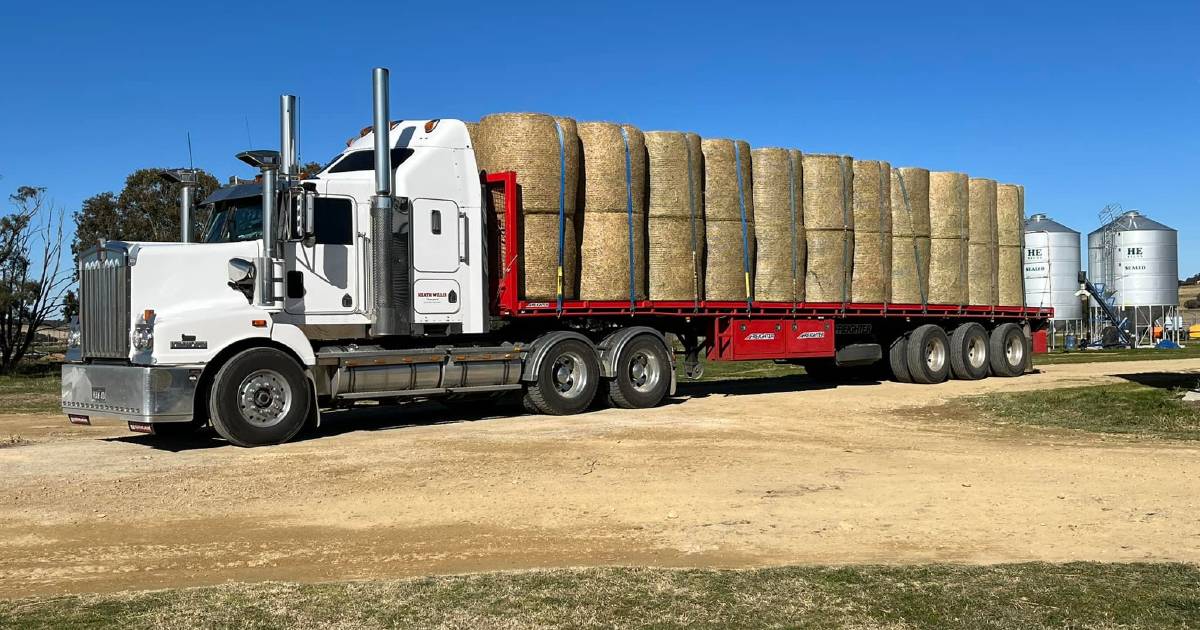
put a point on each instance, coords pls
(1134, 260)
(1052, 264)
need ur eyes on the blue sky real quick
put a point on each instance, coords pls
(1084, 103)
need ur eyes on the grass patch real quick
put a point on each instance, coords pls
(1192, 351)
(32, 389)
(1150, 407)
(1021, 596)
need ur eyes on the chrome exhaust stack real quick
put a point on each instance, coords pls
(188, 179)
(289, 152)
(389, 314)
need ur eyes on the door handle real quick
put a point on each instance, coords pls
(464, 236)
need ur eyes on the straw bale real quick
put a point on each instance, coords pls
(910, 269)
(1010, 225)
(825, 269)
(604, 193)
(910, 201)
(872, 271)
(528, 144)
(675, 224)
(983, 253)
(1010, 279)
(778, 225)
(727, 250)
(947, 271)
(828, 186)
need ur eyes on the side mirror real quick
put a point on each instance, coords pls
(241, 276)
(304, 205)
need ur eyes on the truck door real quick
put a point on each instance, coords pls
(323, 279)
(437, 256)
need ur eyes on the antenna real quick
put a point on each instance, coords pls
(249, 142)
(191, 162)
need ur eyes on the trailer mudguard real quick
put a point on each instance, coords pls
(537, 350)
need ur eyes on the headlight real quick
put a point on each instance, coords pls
(143, 336)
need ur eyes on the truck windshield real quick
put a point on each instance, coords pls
(237, 221)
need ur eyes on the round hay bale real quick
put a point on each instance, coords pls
(910, 201)
(724, 278)
(947, 271)
(472, 131)
(910, 235)
(948, 198)
(982, 250)
(778, 225)
(910, 269)
(729, 244)
(1010, 224)
(675, 216)
(612, 242)
(529, 145)
(828, 186)
(871, 280)
(1010, 289)
(825, 270)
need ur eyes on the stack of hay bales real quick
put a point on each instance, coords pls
(828, 227)
(981, 246)
(1010, 277)
(872, 276)
(612, 185)
(778, 225)
(675, 216)
(730, 240)
(910, 235)
(948, 220)
(529, 145)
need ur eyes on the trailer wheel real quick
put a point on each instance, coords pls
(568, 377)
(259, 397)
(969, 352)
(928, 354)
(898, 359)
(643, 374)
(1008, 349)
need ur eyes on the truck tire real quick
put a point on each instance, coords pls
(928, 354)
(969, 352)
(568, 377)
(259, 397)
(1008, 348)
(898, 359)
(642, 374)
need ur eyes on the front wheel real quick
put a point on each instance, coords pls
(259, 397)
(643, 374)
(568, 377)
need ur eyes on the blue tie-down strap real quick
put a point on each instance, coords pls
(737, 161)
(562, 212)
(629, 214)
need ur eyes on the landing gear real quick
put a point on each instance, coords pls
(259, 397)
(568, 377)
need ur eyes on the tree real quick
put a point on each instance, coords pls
(308, 169)
(147, 209)
(32, 281)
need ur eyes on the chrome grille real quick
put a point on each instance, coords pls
(104, 303)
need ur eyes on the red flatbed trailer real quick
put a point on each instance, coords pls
(745, 330)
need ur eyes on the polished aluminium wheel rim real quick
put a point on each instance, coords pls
(935, 354)
(1014, 350)
(570, 375)
(976, 352)
(645, 371)
(264, 398)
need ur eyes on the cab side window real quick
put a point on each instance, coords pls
(334, 221)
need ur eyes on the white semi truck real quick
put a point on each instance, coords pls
(370, 281)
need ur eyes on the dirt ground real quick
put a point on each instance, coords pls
(730, 474)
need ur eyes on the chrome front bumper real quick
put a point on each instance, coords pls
(129, 393)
